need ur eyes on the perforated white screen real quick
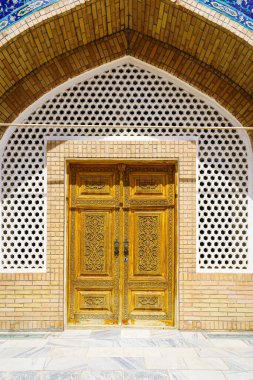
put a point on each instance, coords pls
(128, 96)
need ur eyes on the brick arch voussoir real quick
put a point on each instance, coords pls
(86, 57)
(62, 32)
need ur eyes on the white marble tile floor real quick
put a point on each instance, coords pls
(126, 354)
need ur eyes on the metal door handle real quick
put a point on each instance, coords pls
(126, 248)
(116, 248)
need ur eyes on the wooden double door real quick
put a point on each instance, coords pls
(121, 243)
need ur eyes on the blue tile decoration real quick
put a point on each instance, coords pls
(12, 11)
(240, 11)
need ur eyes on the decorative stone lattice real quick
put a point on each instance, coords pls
(128, 96)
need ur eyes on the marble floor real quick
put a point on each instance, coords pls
(127, 353)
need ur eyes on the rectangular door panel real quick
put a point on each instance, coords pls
(95, 301)
(144, 302)
(147, 233)
(95, 238)
(144, 185)
(93, 185)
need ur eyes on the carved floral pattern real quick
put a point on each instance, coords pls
(94, 243)
(147, 185)
(96, 184)
(148, 243)
(94, 301)
(148, 301)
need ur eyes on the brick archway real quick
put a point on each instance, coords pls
(167, 35)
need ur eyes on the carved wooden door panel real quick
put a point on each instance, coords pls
(93, 277)
(149, 232)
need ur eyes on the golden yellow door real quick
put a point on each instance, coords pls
(121, 256)
(93, 275)
(149, 234)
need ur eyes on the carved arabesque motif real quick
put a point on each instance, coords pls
(150, 185)
(146, 184)
(94, 243)
(94, 301)
(148, 300)
(96, 185)
(148, 243)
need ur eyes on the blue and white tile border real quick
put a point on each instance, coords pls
(23, 11)
(229, 11)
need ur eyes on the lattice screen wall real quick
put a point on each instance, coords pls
(128, 96)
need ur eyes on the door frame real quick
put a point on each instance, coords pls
(133, 162)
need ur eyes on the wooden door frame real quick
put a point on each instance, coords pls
(132, 162)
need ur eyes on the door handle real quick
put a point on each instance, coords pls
(116, 248)
(126, 248)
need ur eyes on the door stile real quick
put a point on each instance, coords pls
(72, 244)
(116, 257)
(125, 259)
(121, 170)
